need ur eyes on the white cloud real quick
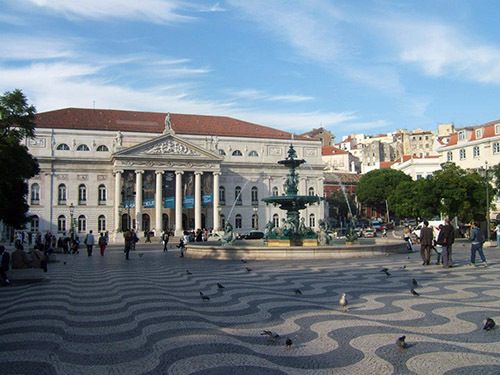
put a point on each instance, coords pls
(264, 96)
(153, 10)
(442, 50)
(15, 47)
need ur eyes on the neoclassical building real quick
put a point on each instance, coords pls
(107, 170)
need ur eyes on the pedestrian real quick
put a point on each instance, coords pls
(477, 240)
(426, 237)
(148, 236)
(445, 239)
(129, 239)
(102, 243)
(66, 241)
(4, 264)
(89, 241)
(165, 238)
(498, 235)
(133, 240)
(407, 238)
(39, 260)
(75, 246)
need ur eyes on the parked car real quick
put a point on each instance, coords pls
(370, 232)
(376, 224)
(252, 235)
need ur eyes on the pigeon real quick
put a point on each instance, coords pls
(414, 282)
(220, 286)
(204, 297)
(248, 269)
(140, 255)
(188, 273)
(387, 273)
(343, 302)
(489, 324)
(64, 263)
(414, 292)
(384, 270)
(297, 292)
(288, 343)
(272, 335)
(403, 267)
(243, 261)
(400, 342)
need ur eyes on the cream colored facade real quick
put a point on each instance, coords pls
(87, 169)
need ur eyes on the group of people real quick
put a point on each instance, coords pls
(20, 260)
(442, 244)
(89, 241)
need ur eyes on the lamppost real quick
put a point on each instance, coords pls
(72, 229)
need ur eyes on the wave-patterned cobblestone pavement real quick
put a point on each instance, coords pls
(146, 316)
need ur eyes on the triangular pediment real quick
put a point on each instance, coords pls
(167, 146)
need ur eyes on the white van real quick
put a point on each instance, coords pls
(433, 223)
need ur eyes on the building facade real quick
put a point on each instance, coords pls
(108, 170)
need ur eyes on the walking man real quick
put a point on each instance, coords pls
(426, 237)
(477, 240)
(129, 239)
(4, 264)
(166, 237)
(89, 241)
(446, 238)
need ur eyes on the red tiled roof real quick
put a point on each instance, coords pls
(332, 150)
(154, 122)
(386, 164)
(453, 139)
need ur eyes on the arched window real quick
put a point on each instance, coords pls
(82, 224)
(102, 194)
(35, 194)
(311, 191)
(222, 195)
(253, 154)
(237, 153)
(35, 223)
(83, 148)
(237, 196)
(101, 223)
(237, 221)
(222, 220)
(255, 196)
(61, 194)
(275, 192)
(312, 221)
(276, 220)
(255, 221)
(82, 194)
(222, 152)
(61, 224)
(63, 147)
(102, 148)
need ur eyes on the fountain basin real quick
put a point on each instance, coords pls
(260, 251)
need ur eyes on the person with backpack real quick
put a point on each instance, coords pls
(446, 239)
(477, 240)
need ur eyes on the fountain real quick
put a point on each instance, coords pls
(293, 231)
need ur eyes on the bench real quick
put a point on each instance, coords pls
(26, 274)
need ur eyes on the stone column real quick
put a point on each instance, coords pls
(197, 200)
(158, 203)
(216, 219)
(118, 199)
(178, 203)
(138, 202)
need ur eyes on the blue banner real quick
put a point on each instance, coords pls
(129, 204)
(169, 202)
(206, 199)
(188, 201)
(149, 203)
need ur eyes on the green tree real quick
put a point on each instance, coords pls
(415, 199)
(338, 207)
(16, 163)
(375, 187)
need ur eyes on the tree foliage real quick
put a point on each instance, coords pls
(415, 199)
(337, 203)
(16, 163)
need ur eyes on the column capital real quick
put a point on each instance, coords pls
(139, 171)
(216, 173)
(159, 172)
(198, 173)
(179, 172)
(118, 171)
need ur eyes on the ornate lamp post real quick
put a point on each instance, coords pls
(72, 228)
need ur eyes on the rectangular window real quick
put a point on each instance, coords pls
(497, 129)
(475, 151)
(496, 147)
(461, 135)
(462, 154)
(479, 133)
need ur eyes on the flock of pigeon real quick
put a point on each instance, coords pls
(343, 302)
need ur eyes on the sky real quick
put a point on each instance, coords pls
(350, 66)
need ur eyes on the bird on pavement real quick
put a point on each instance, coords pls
(248, 269)
(188, 273)
(400, 342)
(414, 292)
(220, 286)
(243, 261)
(204, 297)
(140, 255)
(272, 335)
(403, 267)
(288, 343)
(387, 273)
(384, 269)
(343, 302)
(414, 282)
(489, 324)
(297, 292)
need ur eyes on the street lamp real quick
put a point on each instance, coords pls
(71, 213)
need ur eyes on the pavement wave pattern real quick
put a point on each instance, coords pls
(107, 316)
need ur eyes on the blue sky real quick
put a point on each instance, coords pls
(351, 66)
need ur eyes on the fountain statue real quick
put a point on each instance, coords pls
(292, 231)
